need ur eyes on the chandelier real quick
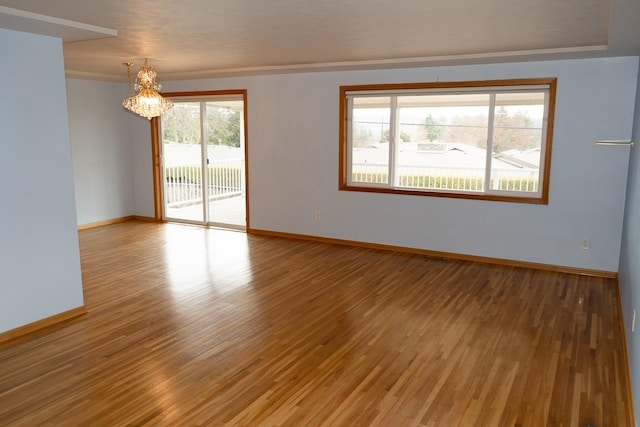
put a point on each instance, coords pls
(147, 102)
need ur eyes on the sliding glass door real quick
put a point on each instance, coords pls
(203, 161)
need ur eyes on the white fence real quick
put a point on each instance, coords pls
(182, 183)
(448, 178)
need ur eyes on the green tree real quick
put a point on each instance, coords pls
(404, 136)
(223, 127)
(432, 128)
(181, 124)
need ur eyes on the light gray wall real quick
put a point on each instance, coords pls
(111, 150)
(101, 150)
(293, 167)
(629, 273)
(140, 136)
(39, 256)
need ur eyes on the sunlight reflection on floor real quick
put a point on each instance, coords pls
(205, 260)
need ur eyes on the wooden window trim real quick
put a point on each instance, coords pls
(343, 155)
(156, 140)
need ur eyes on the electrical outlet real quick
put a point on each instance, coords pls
(585, 244)
(317, 216)
(633, 321)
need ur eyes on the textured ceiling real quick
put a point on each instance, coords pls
(202, 38)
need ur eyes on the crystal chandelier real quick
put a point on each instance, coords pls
(147, 102)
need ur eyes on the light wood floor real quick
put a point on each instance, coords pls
(192, 326)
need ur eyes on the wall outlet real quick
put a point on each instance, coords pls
(633, 320)
(317, 215)
(585, 244)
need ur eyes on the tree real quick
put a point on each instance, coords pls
(467, 129)
(362, 136)
(181, 124)
(224, 127)
(404, 136)
(514, 131)
(432, 128)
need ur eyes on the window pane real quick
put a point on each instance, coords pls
(484, 140)
(370, 140)
(517, 141)
(225, 161)
(182, 154)
(442, 141)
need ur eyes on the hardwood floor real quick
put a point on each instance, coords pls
(192, 326)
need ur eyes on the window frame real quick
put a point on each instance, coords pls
(489, 86)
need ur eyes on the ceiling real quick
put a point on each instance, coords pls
(209, 38)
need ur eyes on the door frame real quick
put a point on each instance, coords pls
(158, 193)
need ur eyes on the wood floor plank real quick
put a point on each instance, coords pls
(194, 326)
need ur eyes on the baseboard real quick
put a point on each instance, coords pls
(445, 255)
(144, 218)
(42, 323)
(625, 358)
(105, 222)
(116, 221)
